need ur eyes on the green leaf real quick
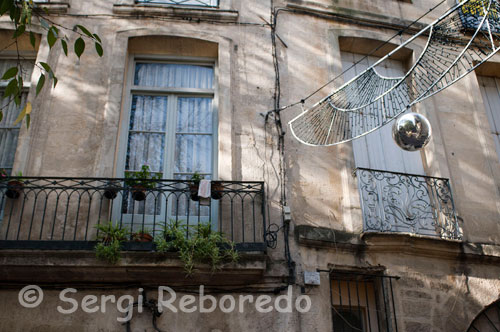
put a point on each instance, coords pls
(1, 115)
(11, 72)
(96, 37)
(26, 110)
(15, 14)
(79, 46)
(32, 39)
(85, 31)
(64, 47)
(55, 80)
(46, 66)
(98, 48)
(6, 5)
(41, 82)
(11, 88)
(17, 99)
(19, 31)
(52, 37)
(44, 24)
(28, 121)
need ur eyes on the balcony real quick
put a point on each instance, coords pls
(61, 213)
(407, 203)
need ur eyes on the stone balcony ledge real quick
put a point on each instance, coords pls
(212, 14)
(145, 268)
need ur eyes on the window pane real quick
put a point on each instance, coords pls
(347, 320)
(145, 149)
(27, 68)
(9, 132)
(167, 75)
(148, 113)
(193, 153)
(194, 115)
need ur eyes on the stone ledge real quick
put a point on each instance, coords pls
(178, 12)
(146, 268)
(400, 243)
(355, 16)
(53, 7)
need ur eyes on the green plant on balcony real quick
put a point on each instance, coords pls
(110, 238)
(194, 185)
(140, 181)
(195, 245)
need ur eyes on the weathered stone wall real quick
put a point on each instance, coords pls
(75, 131)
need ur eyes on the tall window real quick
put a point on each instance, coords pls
(171, 125)
(390, 201)
(8, 131)
(377, 150)
(490, 90)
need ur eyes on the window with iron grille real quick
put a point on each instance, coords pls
(362, 302)
(201, 3)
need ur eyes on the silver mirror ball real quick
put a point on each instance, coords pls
(411, 131)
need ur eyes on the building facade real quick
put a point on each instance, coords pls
(376, 239)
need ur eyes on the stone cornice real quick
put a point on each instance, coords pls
(397, 243)
(205, 14)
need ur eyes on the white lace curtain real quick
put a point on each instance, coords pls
(155, 120)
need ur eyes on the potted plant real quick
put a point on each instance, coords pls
(143, 236)
(194, 186)
(198, 245)
(216, 189)
(110, 238)
(15, 186)
(111, 189)
(140, 181)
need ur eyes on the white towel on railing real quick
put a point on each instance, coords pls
(204, 188)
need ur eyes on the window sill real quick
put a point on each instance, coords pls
(212, 14)
(54, 7)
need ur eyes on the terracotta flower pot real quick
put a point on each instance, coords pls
(193, 189)
(216, 190)
(14, 189)
(142, 237)
(111, 190)
(138, 193)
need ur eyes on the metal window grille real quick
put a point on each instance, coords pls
(362, 302)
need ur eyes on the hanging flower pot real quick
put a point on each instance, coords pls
(111, 190)
(193, 190)
(140, 181)
(216, 190)
(14, 189)
(195, 185)
(138, 193)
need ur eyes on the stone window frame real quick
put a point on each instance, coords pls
(116, 105)
(439, 167)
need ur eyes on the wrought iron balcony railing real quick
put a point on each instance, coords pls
(61, 213)
(398, 202)
(198, 3)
